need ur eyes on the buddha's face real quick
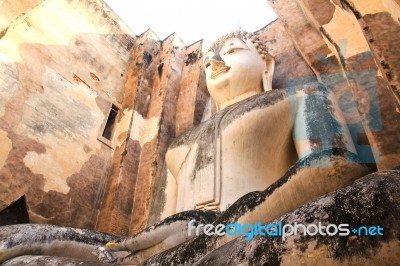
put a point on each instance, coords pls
(232, 69)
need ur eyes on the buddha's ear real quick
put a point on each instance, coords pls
(268, 73)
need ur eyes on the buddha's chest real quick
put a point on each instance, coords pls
(236, 155)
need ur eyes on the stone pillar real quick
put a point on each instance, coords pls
(345, 61)
(193, 91)
(115, 215)
(379, 21)
(282, 48)
(160, 127)
(316, 51)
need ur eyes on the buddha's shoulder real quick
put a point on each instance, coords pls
(206, 130)
(203, 130)
(270, 98)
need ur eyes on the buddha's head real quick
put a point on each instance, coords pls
(237, 66)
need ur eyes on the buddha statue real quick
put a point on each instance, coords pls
(256, 136)
(203, 165)
(264, 153)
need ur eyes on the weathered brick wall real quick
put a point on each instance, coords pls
(62, 65)
(165, 95)
(117, 205)
(352, 47)
(11, 10)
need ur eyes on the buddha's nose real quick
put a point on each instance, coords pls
(217, 63)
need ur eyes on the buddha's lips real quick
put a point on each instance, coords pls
(219, 71)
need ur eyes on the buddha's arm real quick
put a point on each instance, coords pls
(318, 123)
(301, 184)
(174, 160)
(155, 239)
(41, 239)
(171, 196)
(172, 230)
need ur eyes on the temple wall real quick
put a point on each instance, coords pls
(12, 10)
(117, 205)
(62, 65)
(167, 86)
(59, 82)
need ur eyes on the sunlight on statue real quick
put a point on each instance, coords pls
(235, 70)
(264, 153)
(249, 145)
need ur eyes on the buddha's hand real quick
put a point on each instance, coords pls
(155, 239)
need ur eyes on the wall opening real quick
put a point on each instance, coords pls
(110, 124)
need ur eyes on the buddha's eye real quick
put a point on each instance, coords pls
(230, 51)
(207, 64)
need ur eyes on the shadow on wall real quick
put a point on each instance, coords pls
(15, 213)
(54, 104)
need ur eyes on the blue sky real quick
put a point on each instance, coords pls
(193, 20)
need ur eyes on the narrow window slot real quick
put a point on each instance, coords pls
(109, 128)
